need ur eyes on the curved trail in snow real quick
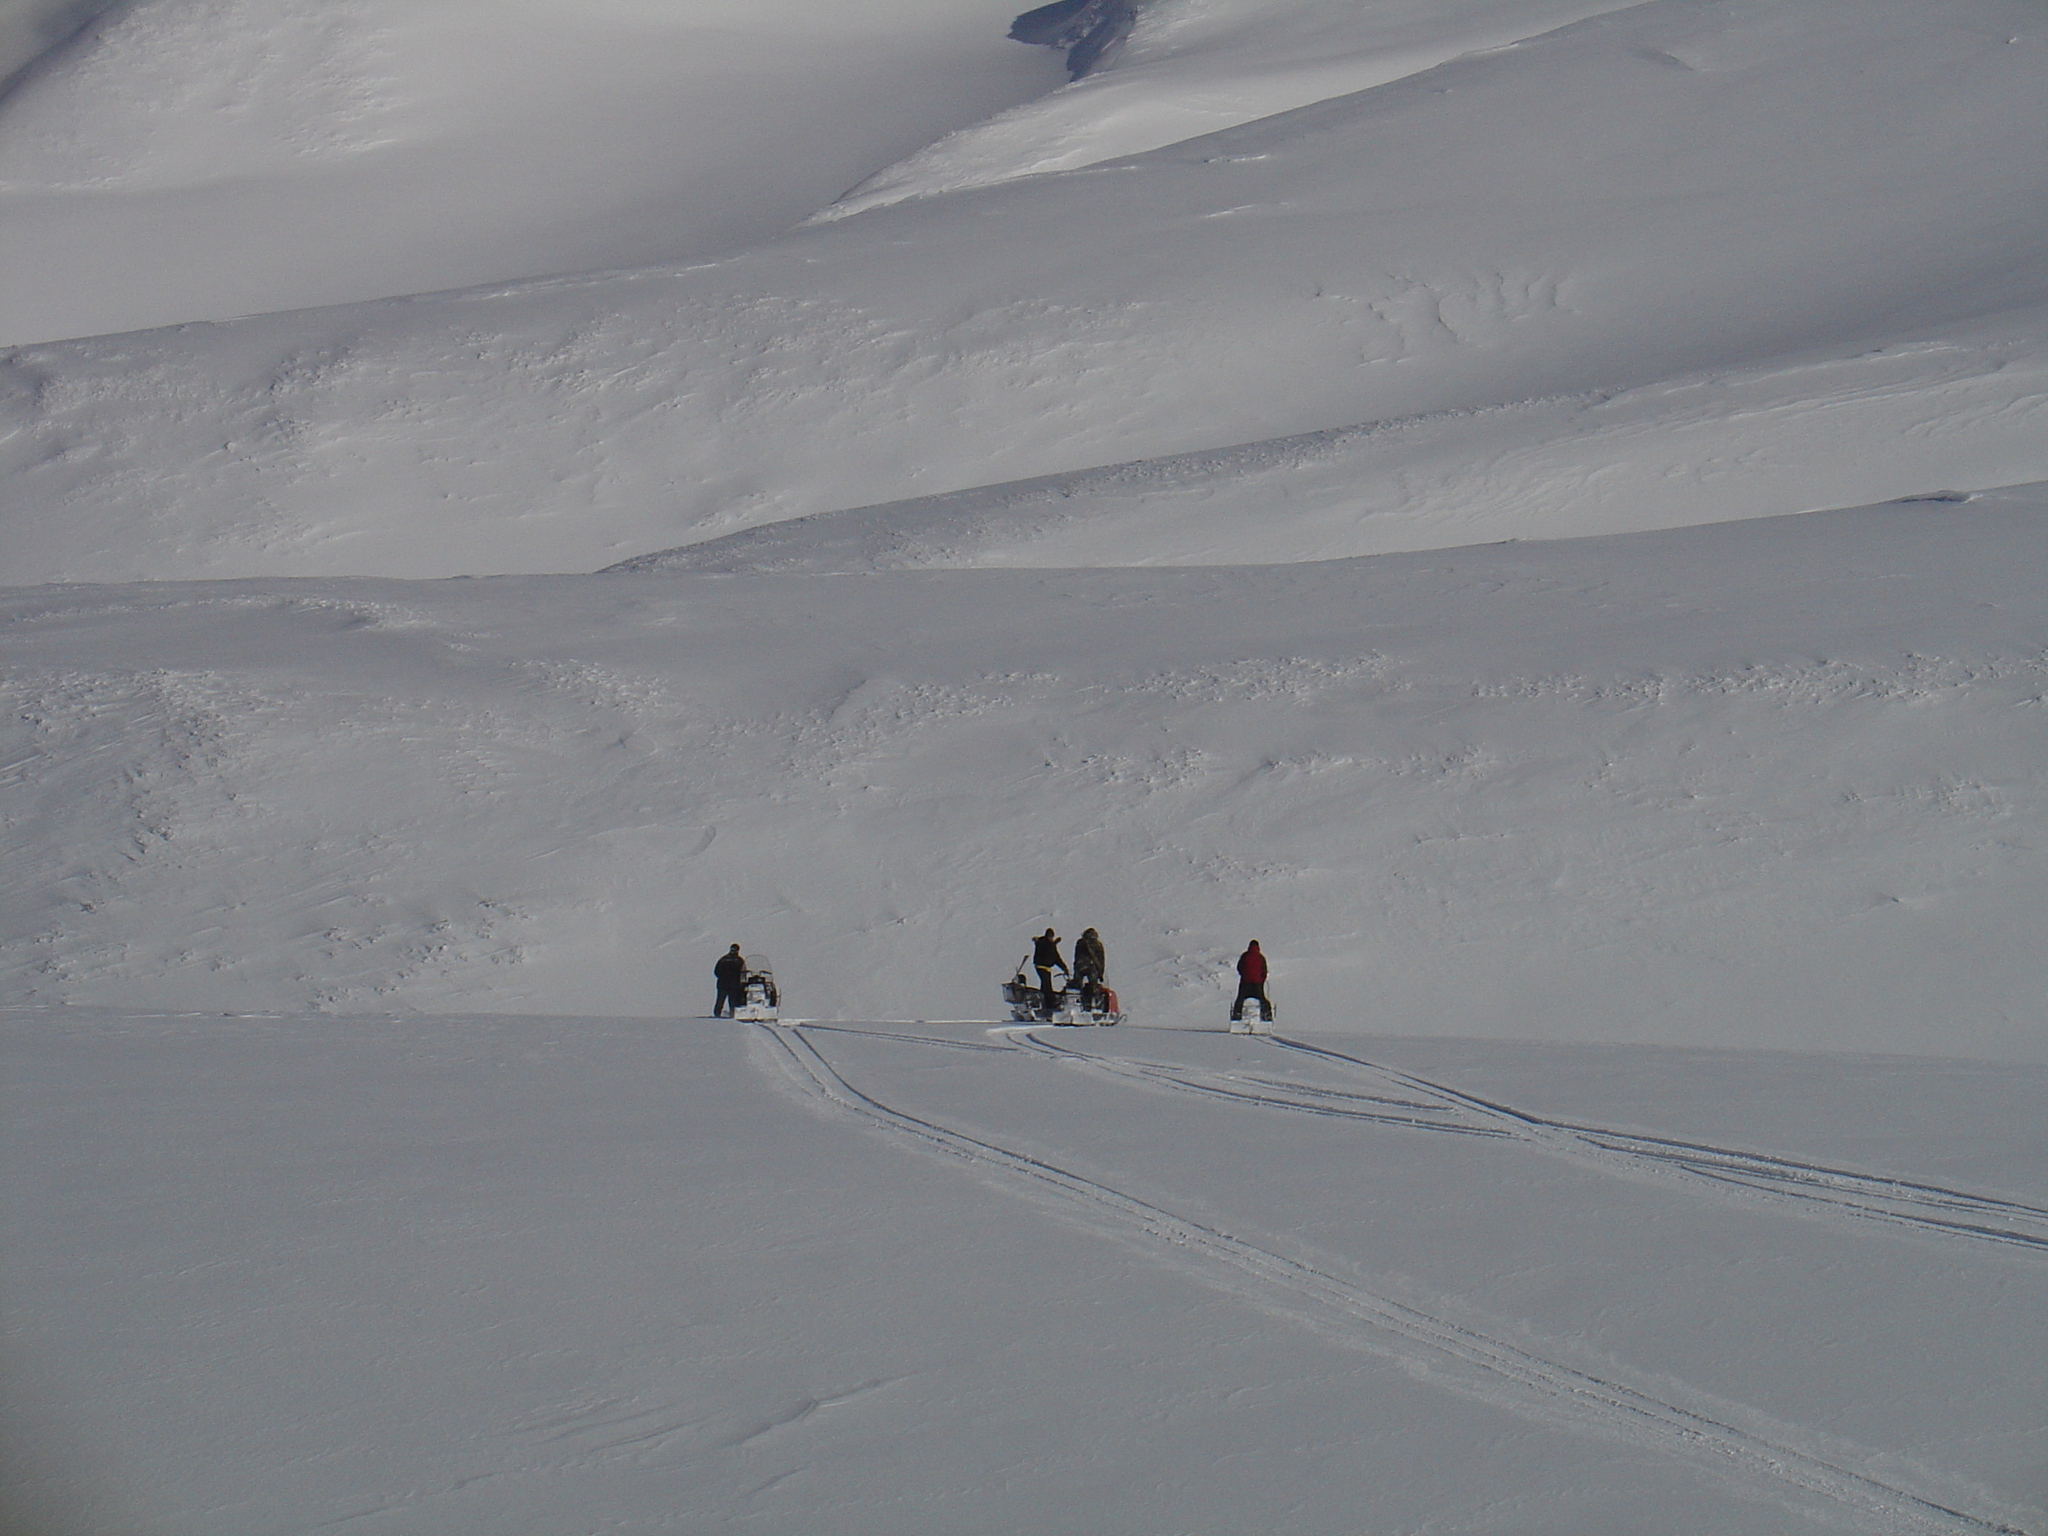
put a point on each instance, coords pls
(1781, 1183)
(1464, 1358)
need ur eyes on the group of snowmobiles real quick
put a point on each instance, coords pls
(1081, 998)
(1078, 1001)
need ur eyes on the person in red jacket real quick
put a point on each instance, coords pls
(1251, 982)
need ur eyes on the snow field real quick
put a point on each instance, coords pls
(1769, 783)
(653, 1276)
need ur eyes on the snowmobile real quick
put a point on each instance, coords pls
(758, 998)
(1075, 1002)
(1255, 1020)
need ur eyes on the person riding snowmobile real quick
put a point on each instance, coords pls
(1045, 958)
(1251, 982)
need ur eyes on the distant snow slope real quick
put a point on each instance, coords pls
(1942, 419)
(1826, 212)
(1194, 68)
(198, 159)
(1780, 782)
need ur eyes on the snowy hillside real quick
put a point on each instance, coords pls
(1665, 265)
(194, 161)
(1535, 509)
(1768, 784)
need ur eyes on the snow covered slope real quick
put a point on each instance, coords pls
(1729, 260)
(192, 161)
(1769, 783)
(1193, 69)
(1331, 477)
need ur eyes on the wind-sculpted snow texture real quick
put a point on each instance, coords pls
(1777, 782)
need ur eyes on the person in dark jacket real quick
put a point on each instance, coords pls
(1251, 982)
(731, 975)
(1045, 957)
(1090, 965)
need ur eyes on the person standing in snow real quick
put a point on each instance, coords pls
(1090, 964)
(1045, 957)
(1251, 982)
(731, 975)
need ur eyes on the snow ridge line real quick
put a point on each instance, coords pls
(1787, 1183)
(1515, 1379)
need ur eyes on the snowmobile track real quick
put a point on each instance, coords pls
(885, 1034)
(1513, 1378)
(1189, 1080)
(1784, 1184)
(1788, 1183)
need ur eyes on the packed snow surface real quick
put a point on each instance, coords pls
(1534, 509)
(539, 1275)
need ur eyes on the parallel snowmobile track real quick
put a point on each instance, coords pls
(1337, 1104)
(1478, 1363)
(885, 1034)
(1416, 1103)
(1789, 1182)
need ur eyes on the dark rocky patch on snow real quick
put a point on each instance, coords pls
(1090, 30)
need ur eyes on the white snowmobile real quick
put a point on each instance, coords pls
(759, 999)
(1254, 1020)
(1075, 1002)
